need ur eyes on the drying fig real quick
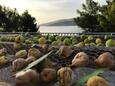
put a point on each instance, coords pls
(19, 39)
(48, 75)
(3, 60)
(46, 63)
(19, 64)
(34, 52)
(27, 77)
(80, 59)
(3, 51)
(64, 75)
(21, 54)
(64, 51)
(45, 48)
(30, 59)
(105, 60)
(97, 81)
(5, 84)
(18, 46)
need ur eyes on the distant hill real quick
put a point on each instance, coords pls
(62, 22)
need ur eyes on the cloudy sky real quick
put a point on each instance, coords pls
(47, 10)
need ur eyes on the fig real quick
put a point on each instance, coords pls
(66, 41)
(45, 48)
(27, 77)
(3, 51)
(3, 60)
(21, 54)
(30, 59)
(46, 63)
(64, 51)
(98, 41)
(19, 39)
(81, 59)
(48, 75)
(64, 75)
(42, 40)
(90, 37)
(80, 44)
(34, 52)
(105, 60)
(5, 84)
(97, 81)
(110, 43)
(54, 43)
(18, 46)
(28, 41)
(19, 64)
(106, 37)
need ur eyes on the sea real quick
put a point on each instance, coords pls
(60, 29)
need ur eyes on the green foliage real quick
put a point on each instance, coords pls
(11, 21)
(97, 18)
(107, 18)
(28, 23)
(90, 7)
(88, 17)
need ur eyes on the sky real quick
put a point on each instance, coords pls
(47, 10)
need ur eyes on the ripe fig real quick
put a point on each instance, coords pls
(80, 59)
(105, 60)
(26, 77)
(97, 81)
(48, 74)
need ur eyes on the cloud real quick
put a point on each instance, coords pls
(48, 10)
(45, 10)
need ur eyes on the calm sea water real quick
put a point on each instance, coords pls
(60, 29)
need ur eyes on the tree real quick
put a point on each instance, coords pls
(88, 17)
(107, 17)
(10, 20)
(28, 23)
